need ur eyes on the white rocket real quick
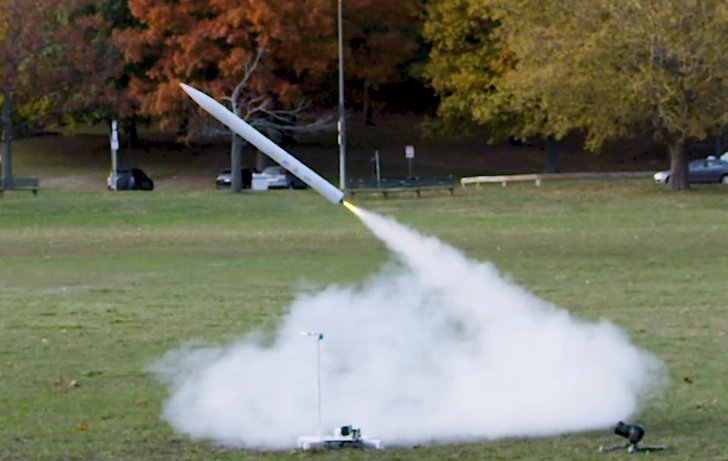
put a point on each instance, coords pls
(268, 147)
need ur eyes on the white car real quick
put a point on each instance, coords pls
(280, 178)
(708, 170)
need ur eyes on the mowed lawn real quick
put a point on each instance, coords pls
(96, 285)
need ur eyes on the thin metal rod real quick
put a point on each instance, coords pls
(342, 123)
(318, 383)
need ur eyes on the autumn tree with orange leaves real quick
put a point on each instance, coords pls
(103, 93)
(44, 54)
(207, 43)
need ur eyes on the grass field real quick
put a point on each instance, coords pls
(95, 285)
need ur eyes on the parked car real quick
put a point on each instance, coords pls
(223, 179)
(130, 179)
(278, 177)
(708, 170)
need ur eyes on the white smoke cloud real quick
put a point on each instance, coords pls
(440, 349)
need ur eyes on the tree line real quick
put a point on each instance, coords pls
(523, 68)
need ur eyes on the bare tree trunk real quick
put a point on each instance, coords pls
(236, 166)
(678, 165)
(183, 128)
(7, 122)
(261, 161)
(718, 145)
(368, 110)
(132, 132)
(552, 155)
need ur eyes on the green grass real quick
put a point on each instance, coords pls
(96, 285)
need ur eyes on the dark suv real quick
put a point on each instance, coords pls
(131, 179)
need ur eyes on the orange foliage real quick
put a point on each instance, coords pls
(44, 52)
(207, 43)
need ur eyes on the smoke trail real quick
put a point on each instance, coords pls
(439, 349)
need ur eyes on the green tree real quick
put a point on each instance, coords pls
(466, 59)
(613, 69)
(467, 62)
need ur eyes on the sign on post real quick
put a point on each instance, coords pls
(409, 153)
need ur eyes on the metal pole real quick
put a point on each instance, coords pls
(318, 383)
(342, 125)
(379, 176)
(114, 152)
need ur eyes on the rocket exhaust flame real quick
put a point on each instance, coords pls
(351, 208)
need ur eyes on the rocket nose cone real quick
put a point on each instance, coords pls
(198, 96)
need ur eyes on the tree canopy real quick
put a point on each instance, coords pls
(208, 42)
(608, 68)
(44, 62)
(466, 59)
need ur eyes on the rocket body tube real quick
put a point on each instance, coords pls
(268, 147)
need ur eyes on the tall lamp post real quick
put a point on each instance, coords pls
(342, 125)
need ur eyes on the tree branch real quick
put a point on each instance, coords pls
(256, 108)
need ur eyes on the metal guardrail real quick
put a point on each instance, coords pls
(400, 185)
(540, 177)
(400, 182)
